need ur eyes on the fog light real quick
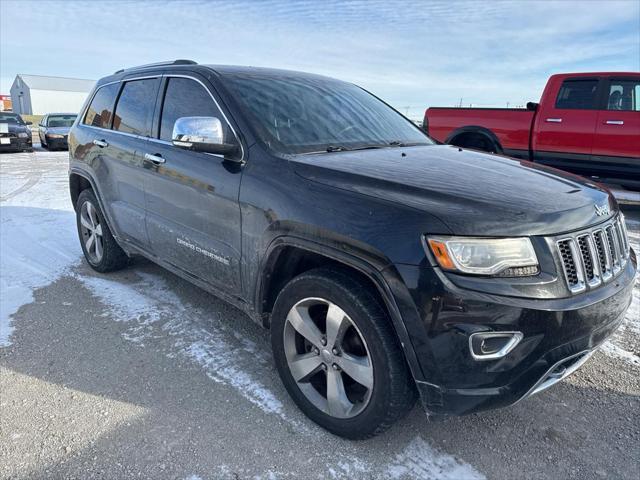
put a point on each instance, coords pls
(493, 345)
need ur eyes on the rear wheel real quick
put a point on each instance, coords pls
(100, 249)
(338, 355)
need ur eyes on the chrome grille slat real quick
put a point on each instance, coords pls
(594, 256)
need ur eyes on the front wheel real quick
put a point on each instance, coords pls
(338, 356)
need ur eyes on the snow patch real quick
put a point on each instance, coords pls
(420, 460)
(149, 305)
(37, 231)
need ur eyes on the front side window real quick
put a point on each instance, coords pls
(100, 110)
(304, 114)
(624, 95)
(60, 120)
(186, 98)
(577, 95)
(134, 110)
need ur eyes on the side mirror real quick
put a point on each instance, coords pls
(202, 134)
(532, 106)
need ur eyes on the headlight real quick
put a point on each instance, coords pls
(509, 257)
(23, 135)
(53, 135)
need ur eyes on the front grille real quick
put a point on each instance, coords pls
(592, 257)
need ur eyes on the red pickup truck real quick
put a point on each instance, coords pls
(587, 123)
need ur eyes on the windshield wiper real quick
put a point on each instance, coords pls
(338, 148)
(397, 143)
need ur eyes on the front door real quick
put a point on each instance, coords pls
(565, 128)
(193, 214)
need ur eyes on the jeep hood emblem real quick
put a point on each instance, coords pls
(602, 210)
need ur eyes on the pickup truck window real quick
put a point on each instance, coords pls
(101, 109)
(578, 94)
(185, 98)
(304, 114)
(624, 95)
(134, 110)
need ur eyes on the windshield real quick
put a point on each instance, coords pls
(303, 114)
(11, 118)
(61, 120)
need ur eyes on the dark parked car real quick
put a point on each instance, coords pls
(53, 130)
(15, 134)
(383, 264)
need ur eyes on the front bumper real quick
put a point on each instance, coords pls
(16, 144)
(559, 335)
(57, 143)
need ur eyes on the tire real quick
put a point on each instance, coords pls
(103, 253)
(366, 412)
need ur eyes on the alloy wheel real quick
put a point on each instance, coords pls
(328, 357)
(91, 232)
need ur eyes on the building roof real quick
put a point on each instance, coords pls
(41, 82)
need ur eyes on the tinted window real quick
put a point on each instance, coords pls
(134, 110)
(577, 94)
(11, 118)
(60, 120)
(301, 114)
(101, 109)
(623, 95)
(186, 98)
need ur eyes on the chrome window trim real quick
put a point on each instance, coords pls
(153, 139)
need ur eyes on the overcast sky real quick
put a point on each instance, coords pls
(412, 54)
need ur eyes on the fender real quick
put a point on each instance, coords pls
(483, 131)
(105, 211)
(381, 278)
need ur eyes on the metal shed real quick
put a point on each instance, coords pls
(38, 94)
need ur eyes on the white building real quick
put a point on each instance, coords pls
(39, 95)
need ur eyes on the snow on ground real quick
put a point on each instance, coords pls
(37, 229)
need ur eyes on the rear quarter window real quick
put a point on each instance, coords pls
(100, 110)
(578, 95)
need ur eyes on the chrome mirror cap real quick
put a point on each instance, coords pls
(188, 131)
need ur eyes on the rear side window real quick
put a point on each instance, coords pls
(577, 94)
(624, 95)
(101, 108)
(134, 110)
(186, 98)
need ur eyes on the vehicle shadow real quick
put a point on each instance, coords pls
(188, 387)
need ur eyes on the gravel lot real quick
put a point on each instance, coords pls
(138, 374)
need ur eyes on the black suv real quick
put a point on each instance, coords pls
(383, 264)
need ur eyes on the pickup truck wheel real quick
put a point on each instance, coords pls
(338, 356)
(101, 250)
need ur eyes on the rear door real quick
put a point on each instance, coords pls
(118, 119)
(193, 214)
(617, 142)
(565, 128)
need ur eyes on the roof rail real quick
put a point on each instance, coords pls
(159, 64)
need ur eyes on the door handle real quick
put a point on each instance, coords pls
(554, 120)
(100, 143)
(154, 158)
(614, 122)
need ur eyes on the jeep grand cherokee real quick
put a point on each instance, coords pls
(383, 264)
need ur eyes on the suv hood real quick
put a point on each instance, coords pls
(472, 193)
